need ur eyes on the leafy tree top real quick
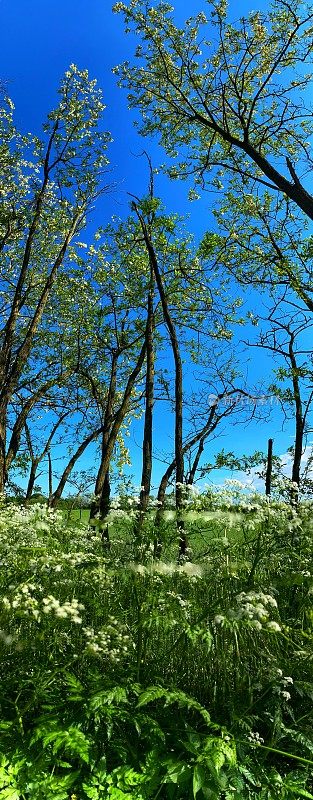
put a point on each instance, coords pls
(226, 96)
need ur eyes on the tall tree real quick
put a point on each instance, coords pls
(192, 305)
(146, 225)
(112, 362)
(48, 188)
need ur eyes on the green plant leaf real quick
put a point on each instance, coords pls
(177, 772)
(183, 700)
(199, 779)
(115, 696)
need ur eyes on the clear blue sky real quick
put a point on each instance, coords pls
(38, 41)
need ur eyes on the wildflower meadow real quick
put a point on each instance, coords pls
(127, 676)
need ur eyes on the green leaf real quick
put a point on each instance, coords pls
(298, 790)
(92, 792)
(199, 779)
(177, 772)
(117, 695)
(75, 687)
(70, 740)
(183, 700)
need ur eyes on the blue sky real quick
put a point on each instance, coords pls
(38, 41)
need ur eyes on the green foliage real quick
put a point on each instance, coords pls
(123, 679)
(209, 89)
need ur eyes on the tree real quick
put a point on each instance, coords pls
(47, 190)
(112, 363)
(148, 235)
(222, 404)
(232, 100)
(188, 305)
(263, 244)
(287, 338)
(36, 457)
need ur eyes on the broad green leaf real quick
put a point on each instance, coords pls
(199, 779)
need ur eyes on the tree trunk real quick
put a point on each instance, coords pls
(3, 470)
(50, 478)
(118, 419)
(100, 480)
(158, 544)
(31, 480)
(148, 423)
(196, 460)
(55, 496)
(104, 510)
(179, 456)
(295, 477)
(102, 471)
(202, 435)
(299, 425)
(269, 467)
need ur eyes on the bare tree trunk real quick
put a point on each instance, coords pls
(148, 423)
(3, 469)
(31, 480)
(102, 471)
(50, 478)
(299, 424)
(179, 456)
(269, 468)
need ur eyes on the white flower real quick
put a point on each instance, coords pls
(219, 618)
(286, 695)
(164, 569)
(192, 570)
(255, 738)
(273, 626)
(139, 568)
(256, 624)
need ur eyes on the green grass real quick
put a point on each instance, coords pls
(77, 514)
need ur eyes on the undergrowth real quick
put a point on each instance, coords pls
(124, 677)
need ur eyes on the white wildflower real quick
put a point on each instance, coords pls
(164, 569)
(255, 738)
(191, 570)
(273, 626)
(256, 624)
